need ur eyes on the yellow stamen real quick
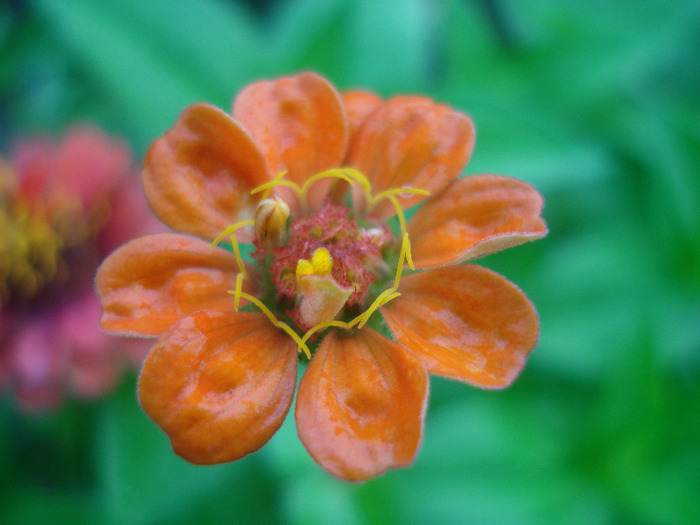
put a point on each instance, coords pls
(301, 345)
(273, 184)
(349, 175)
(334, 173)
(229, 230)
(402, 256)
(237, 292)
(237, 253)
(409, 257)
(399, 213)
(321, 326)
(321, 262)
(391, 196)
(383, 298)
(269, 185)
(402, 192)
(234, 242)
(361, 179)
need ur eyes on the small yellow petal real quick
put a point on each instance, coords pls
(304, 267)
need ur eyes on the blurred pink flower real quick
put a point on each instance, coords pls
(63, 207)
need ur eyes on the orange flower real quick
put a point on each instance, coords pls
(310, 176)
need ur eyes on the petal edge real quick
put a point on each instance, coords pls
(150, 282)
(411, 141)
(300, 124)
(466, 323)
(198, 176)
(361, 405)
(219, 384)
(474, 217)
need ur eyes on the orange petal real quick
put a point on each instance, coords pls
(466, 323)
(299, 123)
(411, 141)
(198, 176)
(151, 282)
(359, 105)
(360, 405)
(219, 384)
(475, 216)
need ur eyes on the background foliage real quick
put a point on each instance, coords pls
(595, 103)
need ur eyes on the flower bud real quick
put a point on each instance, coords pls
(271, 222)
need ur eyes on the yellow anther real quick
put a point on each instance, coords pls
(304, 267)
(322, 262)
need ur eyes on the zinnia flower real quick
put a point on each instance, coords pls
(311, 178)
(63, 207)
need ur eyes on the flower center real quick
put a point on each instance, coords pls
(354, 252)
(42, 240)
(322, 269)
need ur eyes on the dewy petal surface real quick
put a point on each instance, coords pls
(299, 123)
(198, 176)
(361, 404)
(219, 384)
(411, 141)
(475, 216)
(151, 282)
(466, 323)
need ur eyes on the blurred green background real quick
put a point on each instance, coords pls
(595, 103)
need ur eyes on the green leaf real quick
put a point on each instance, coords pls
(142, 480)
(154, 62)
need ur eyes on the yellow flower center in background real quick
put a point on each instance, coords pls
(30, 252)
